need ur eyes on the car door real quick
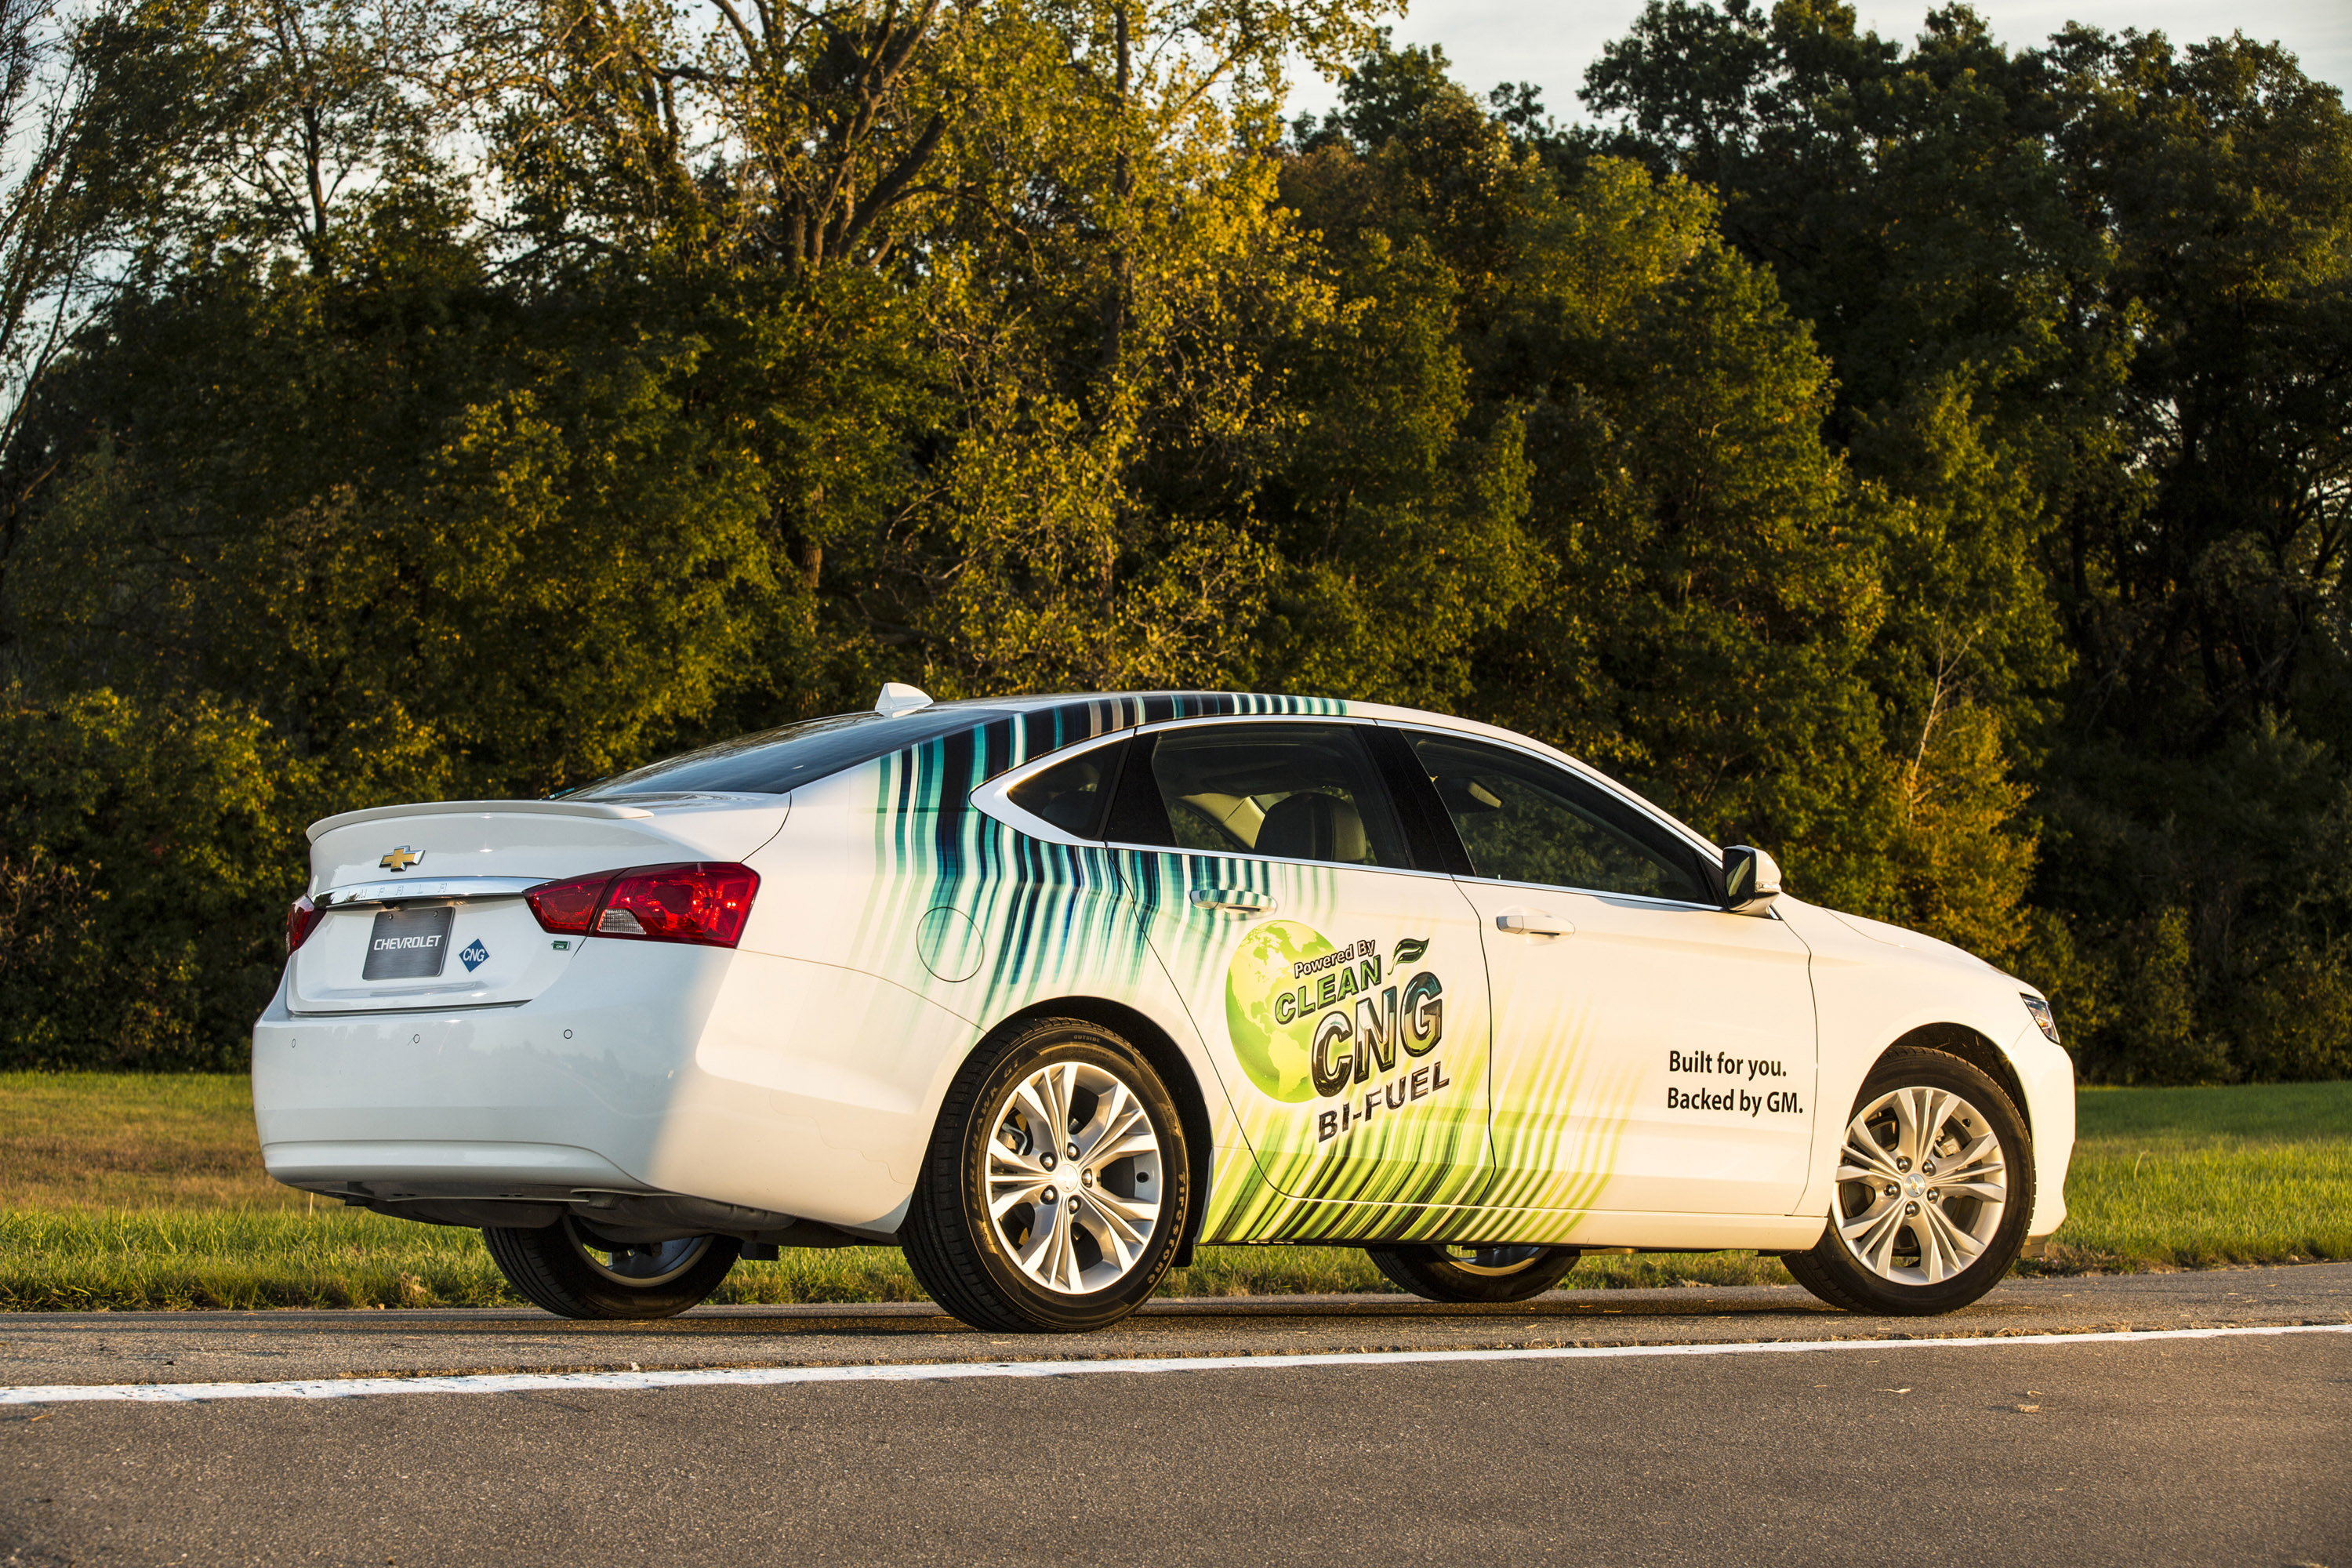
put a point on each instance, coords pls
(1654, 1052)
(1338, 985)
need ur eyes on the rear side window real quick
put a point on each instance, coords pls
(1294, 792)
(1524, 820)
(1072, 793)
(776, 762)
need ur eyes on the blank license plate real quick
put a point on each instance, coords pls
(408, 944)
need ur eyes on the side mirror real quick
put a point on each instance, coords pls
(1751, 879)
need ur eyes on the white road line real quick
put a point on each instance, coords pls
(944, 1372)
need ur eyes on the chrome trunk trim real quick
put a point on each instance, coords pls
(426, 889)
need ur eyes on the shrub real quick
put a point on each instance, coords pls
(145, 852)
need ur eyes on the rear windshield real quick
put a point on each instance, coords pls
(775, 761)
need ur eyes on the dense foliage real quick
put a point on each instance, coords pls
(1930, 462)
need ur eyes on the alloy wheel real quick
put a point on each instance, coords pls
(1494, 1261)
(637, 1265)
(1922, 1185)
(1074, 1177)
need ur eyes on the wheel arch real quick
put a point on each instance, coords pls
(1160, 1048)
(1972, 1047)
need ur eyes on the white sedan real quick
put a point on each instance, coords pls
(1050, 989)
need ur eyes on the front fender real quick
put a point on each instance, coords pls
(1869, 992)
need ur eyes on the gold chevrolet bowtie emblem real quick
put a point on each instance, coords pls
(401, 858)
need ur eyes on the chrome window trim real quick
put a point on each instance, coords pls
(994, 799)
(1268, 859)
(1618, 791)
(1197, 721)
(436, 889)
(1610, 894)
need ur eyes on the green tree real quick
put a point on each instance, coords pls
(1695, 594)
(146, 856)
(460, 548)
(2109, 275)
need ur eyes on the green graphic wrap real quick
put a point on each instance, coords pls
(1359, 1085)
(1273, 1052)
(1380, 1155)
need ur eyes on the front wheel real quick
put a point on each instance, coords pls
(1935, 1188)
(574, 1271)
(1056, 1186)
(1474, 1273)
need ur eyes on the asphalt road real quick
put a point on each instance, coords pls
(1690, 1427)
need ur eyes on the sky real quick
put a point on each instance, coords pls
(1550, 42)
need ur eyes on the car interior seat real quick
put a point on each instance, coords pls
(1313, 827)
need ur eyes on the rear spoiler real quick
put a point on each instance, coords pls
(477, 808)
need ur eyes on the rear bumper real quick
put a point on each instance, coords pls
(740, 1079)
(447, 1168)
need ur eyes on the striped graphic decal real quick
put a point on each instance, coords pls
(1013, 919)
(1030, 919)
(1025, 918)
(1531, 1170)
(1295, 1175)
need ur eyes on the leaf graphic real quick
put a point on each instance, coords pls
(1408, 949)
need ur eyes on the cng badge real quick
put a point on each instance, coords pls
(475, 955)
(1311, 1019)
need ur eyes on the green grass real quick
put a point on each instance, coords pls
(62, 1260)
(2194, 1178)
(121, 1192)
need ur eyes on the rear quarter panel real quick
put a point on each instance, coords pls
(902, 926)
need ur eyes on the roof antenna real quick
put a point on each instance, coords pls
(900, 698)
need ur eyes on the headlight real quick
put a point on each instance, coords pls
(2042, 1018)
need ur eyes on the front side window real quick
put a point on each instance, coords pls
(1294, 792)
(1524, 820)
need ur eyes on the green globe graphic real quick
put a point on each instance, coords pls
(1273, 1055)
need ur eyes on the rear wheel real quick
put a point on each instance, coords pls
(1056, 1186)
(1935, 1188)
(574, 1271)
(1474, 1273)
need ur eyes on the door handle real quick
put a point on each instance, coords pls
(1241, 902)
(1533, 922)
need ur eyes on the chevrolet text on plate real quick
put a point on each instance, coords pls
(1051, 990)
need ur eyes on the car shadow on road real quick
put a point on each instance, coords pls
(1216, 1315)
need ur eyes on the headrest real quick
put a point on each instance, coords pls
(1312, 827)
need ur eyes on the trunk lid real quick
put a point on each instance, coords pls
(424, 903)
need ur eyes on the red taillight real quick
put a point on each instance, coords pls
(302, 918)
(680, 903)
(568, 907)
(694, 902)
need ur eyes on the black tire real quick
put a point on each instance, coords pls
(555, 1267)
(1830, 1269)
(1474, 1273)
(974, 1266)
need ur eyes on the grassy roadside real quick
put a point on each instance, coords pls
(2199, 1178)
(119, 1191)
